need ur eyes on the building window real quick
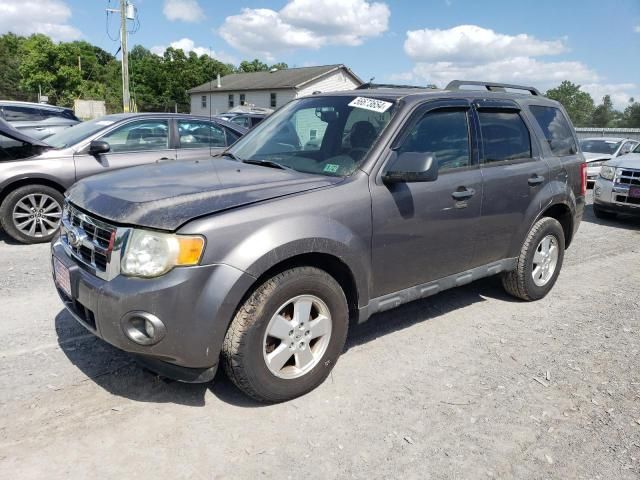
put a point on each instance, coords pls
(231, 100)
(203, 101)
(242, 102)
(274, 100)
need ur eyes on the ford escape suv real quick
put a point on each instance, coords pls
(262, 257)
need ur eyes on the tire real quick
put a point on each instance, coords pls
(25, 203)
(520, 282)
(602, 214)
(247, 346)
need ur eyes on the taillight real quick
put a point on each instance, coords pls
(583, 178)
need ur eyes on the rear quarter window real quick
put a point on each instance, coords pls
(556, 130)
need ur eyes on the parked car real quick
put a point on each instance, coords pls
(38, 120)
(617, 188)
(34, 174)
(598, 150)
(248, 120)
(263, 257)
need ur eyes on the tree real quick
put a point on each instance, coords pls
(631, 116)
(258, 66)
(604, 114)
(578, 104)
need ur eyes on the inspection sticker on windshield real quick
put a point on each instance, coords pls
(331, 168)
(372, 104)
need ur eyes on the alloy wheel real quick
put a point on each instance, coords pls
(37, 215)
(545, 260)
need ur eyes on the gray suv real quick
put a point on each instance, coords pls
(264, 256)
(38, 120)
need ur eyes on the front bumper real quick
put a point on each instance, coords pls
(195, 304)
(605, 193)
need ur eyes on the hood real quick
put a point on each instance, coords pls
(592, 157)
(167, 195)
(11, 132)
(630, 160)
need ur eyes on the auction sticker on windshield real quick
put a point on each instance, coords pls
(372, 104)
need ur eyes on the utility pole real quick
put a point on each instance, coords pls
(126, 97)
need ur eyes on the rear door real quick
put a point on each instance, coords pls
(136, 142)
(200, 139)
(426, 231)
(513, 172)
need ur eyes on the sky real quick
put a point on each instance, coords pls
(594, 43)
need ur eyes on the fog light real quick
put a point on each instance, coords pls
(597, 191)
(143, 328)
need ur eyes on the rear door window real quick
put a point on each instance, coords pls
(200, 134)
(504, 136)
(556, 130)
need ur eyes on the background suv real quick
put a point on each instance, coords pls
(264, 257)
(38, 120)
(34, 174)
(597, 150)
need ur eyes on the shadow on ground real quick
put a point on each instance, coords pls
(119, 374)
(619, 221)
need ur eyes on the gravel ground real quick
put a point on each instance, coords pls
(467, 384)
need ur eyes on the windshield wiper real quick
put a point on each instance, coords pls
(267, 163)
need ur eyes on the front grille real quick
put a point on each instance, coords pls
(626, 199)
(627, 176)
(88, 240)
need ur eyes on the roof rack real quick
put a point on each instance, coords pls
(492, 87)
(371, 85)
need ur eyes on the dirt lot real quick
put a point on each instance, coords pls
(469, 384)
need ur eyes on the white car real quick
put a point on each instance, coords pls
(617, 188)
(598, 150)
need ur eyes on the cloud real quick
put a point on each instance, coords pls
(49, 17)
(620, 93)
(473, 44)
(469, 52)
(521, 70)
(187, 45)
(184, 10)
(636, 29)
(309, 24)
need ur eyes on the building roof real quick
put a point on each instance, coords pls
(279, 79)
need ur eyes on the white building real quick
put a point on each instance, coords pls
(269, 89)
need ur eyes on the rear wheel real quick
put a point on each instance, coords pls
(32, 214)
(287, 336)
(539, 262)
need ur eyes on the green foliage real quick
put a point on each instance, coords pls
(604, 114)
(67, 71)
(578, 104)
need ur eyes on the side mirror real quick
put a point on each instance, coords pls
(412, 167)
(96, 147)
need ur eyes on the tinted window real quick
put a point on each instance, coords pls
(241, 120)
(139, 136)
(607, 147)
(198, 134)
(556, 130)
(626, 148)
(504, 136)
(231, 136)
(21, 114)
(11, 149)
(445, 135)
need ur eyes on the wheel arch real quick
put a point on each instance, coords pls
(16, 183)
(562, 213)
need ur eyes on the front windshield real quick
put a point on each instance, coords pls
(323, 135)
(77, 133)
(607, 147)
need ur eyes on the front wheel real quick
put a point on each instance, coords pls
(287, 336)
(32, 214)
(539, 262)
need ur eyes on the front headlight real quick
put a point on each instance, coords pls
(596, 164)
(150, 254)
(607, 172)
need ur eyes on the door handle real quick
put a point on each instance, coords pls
(463, 193)
(535, 180)
(163, 159)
